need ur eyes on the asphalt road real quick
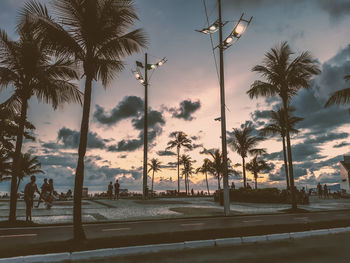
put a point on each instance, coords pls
(36, 235)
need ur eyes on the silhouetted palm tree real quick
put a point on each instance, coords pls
(154, 167)
(205, 169)
(277, 126)
(256, 166)
(185, 159)
(29, 67)
(28, 166)
(340, 96)
(284, 78)
(244, 143)
(5, 165)
(187, 171)
(95, 34)
(180, 140)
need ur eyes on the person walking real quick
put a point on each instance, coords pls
(116, 190)
(319, 190)
(29, 192)
(110, 191)
(43, 196)
(325, 191)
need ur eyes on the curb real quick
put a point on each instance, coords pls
(138, 250)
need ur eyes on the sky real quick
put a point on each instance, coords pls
(184, 95)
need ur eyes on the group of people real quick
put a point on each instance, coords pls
(46, 195)
(323, 191)
(116, 190)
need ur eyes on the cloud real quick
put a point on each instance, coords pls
(71, 138)
(130, 106)
(207, 151)
(166, 153)
(186, 109)
(342, 144)
(154, 118)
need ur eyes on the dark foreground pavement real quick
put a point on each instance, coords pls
(320, 249)
(32, 240)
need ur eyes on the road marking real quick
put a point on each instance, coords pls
(20, 235)
(193, 224)
(301, 218)
(116, 229)
(252, 221)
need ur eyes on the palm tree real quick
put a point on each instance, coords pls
(95, 34)
(5, 166)
(205, 169)
(28, 166)
(180, 140)
(244, 144)
(340, 96)
(185, 160)
(154, 167)
(284, 78)
(277, 126)
(187, 171)
(29, 67)
(256, 166)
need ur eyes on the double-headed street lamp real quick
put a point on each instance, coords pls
(232, 38)
(144, 80)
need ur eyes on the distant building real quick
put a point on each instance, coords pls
(85, 192)
(345, 174)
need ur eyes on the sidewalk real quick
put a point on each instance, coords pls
(127, 210)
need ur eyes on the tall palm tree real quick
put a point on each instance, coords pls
(277, 126)
(28, 166)
(185, 160)
(154, 167)
(217, 166)
(244, 143)
(284, 77)
(5, 165)
(340, 96)
(28, 65)
(96, 34)
(256, 166)
(187, 171)
(180, 140)
(205, 169)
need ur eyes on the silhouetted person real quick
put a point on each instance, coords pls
(110, 190)
(29, 192)
(50, 191)
(192, 192)
(325, 191)
(233, 186)
(116, 190)
(248, 186)
(319, 190)
(43, 196)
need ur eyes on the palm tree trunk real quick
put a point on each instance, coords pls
(244, 175)
(290, 160)
(256, 180)
(206, 179)
(285, 161)
(178, 170)
(78, 230)
(16, 159)
(152, 181)
(219, 187)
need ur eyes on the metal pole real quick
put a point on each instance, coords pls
(223, 119)
(145, 135)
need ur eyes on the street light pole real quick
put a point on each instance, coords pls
(223, 118)
(145, 82)
(145, 133)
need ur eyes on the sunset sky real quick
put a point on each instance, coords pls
(184, 95)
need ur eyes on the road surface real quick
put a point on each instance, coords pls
(37, 235)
